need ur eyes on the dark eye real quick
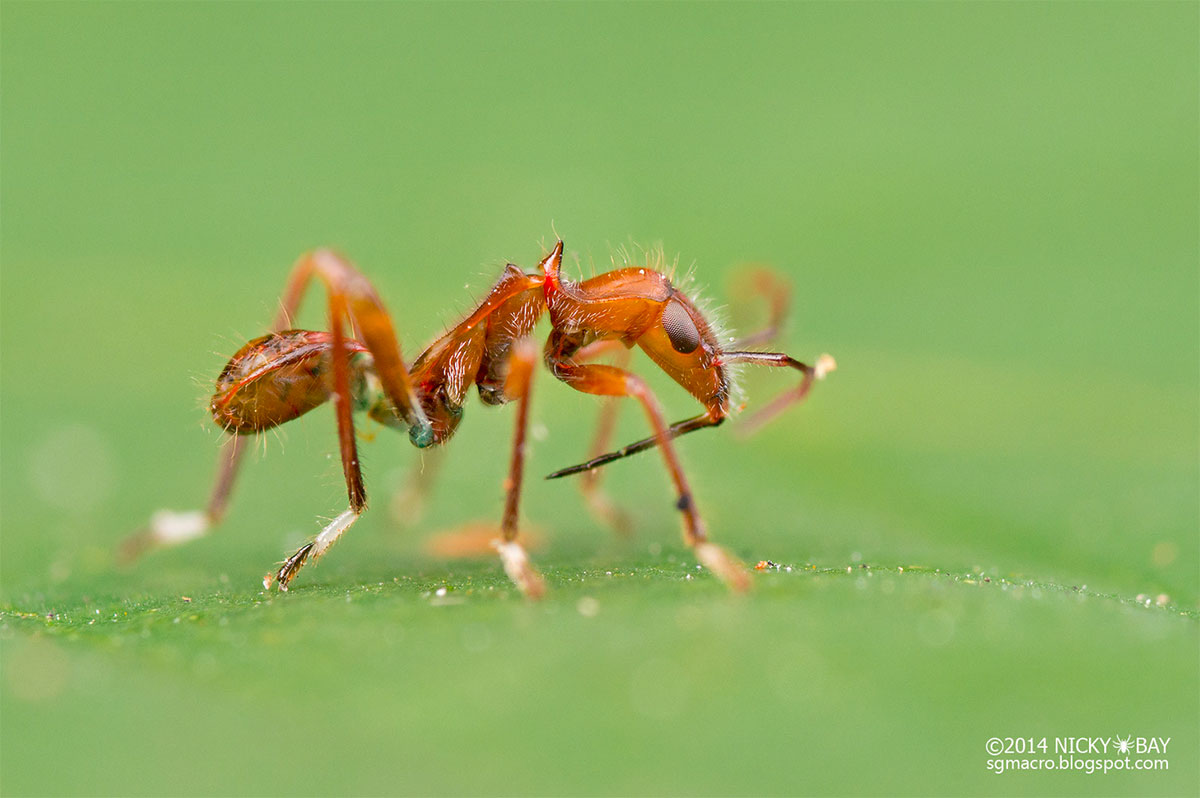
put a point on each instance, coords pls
(680, 328)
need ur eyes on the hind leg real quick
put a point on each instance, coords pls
(343, 405)
(352, 301)
(172, 527)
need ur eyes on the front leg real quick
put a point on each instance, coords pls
(604, 380)
(598, 501)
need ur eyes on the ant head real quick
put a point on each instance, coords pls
(683, 344)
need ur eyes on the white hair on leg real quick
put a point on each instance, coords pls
(519, 569)
(170, 528)
(332, 531)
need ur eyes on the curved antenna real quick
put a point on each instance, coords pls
(824, 365)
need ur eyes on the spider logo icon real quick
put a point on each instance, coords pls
(1123, 745)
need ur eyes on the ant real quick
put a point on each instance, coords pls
(288, 372)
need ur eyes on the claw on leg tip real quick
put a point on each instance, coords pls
(519, 569)
(728, 568)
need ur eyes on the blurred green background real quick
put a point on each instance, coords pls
(989, 215)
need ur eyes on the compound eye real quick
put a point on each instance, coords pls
(680, 328)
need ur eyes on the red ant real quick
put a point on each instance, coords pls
(283, 375)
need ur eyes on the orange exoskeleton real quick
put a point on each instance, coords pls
(281, 376)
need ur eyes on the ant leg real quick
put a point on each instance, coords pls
(354, 297)
(597, 500)
(611, 381)
(343, 405)
(824, 365)
(518, 386)
(171, 527)
(775, 290)
(351, 297)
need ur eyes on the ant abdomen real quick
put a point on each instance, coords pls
(274, 379)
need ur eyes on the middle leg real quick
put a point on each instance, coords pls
(517, 386)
